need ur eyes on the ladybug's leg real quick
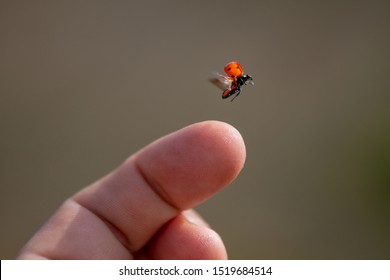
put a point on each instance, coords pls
(237, 91)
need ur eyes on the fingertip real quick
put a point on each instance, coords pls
(188, 166)
(231, 143)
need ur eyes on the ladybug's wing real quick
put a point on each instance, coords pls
(227, 93)
(221, 81)
(227, 81)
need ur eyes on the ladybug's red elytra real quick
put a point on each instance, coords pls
(235, 80)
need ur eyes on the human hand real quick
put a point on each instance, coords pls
(139, 210)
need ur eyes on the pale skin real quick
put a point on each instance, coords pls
(142, 209)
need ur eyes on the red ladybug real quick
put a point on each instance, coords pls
(235, 80)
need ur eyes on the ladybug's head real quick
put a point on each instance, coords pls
(234, 69)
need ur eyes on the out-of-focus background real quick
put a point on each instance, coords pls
(84, 84)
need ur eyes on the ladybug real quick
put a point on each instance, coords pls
(235, 80)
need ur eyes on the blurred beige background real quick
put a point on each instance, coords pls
(84, 84)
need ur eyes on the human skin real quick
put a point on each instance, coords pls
(142, 209)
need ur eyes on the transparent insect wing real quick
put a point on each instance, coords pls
(224, 81)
